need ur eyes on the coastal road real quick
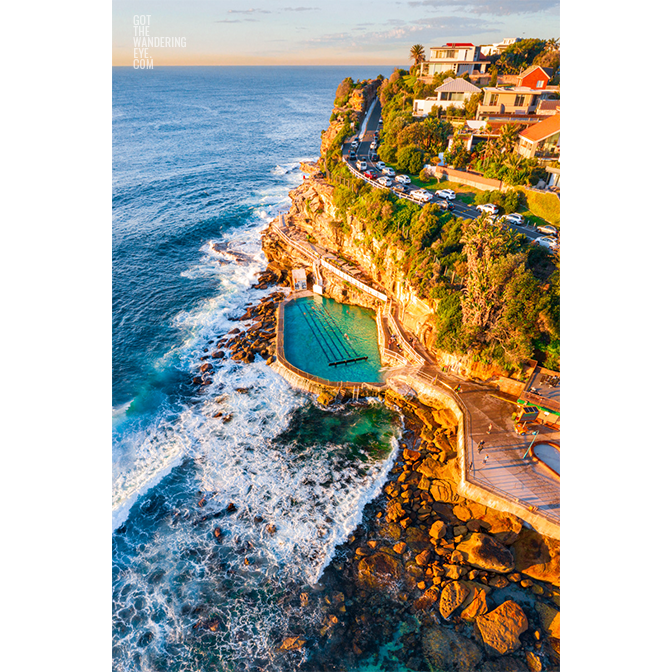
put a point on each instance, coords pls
(363, 151)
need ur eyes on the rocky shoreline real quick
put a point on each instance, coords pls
(449, 583)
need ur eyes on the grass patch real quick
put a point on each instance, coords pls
(535, 220)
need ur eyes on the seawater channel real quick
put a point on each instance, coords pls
(331, 340)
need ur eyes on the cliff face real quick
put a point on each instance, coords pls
(357, 104)
(315, 215)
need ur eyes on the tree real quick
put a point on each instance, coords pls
(417, 54)
(508, 137)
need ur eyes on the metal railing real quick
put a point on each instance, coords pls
(407, 347)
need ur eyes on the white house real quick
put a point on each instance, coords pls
(457, 57)
(498, 47)
(455, 92)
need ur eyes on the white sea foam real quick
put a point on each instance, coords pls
(314, 495)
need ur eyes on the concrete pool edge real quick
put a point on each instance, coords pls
(303, 379)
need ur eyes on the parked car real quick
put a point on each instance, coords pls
(547, 228)
(446, 193)
(399, 189)
(361, 164)
(385, 181)
(374, 157)
(548, 242)
(514, 218)
(446, 205)
(388, 171)
(352, 154)
(490, 208)
(404, 179)
(421, 195)
(370, 175)
(380, 165)
(374, 144)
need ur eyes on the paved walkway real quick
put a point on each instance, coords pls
(499, 466)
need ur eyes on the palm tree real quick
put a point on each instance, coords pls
(417, 53)
(508, 137)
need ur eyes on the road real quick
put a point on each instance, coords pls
(364, 151)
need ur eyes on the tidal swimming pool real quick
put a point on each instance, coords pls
(331, 340)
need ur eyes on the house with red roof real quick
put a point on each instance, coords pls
(455, 57)
(542, 140)
(535, 77)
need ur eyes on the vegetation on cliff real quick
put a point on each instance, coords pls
(496, 296)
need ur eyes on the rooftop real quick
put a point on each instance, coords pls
(458, 84)
(544, 129)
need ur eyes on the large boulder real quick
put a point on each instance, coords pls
(379, 571)
(477, 607)
(452, 596)
(442, 491)
(433, 469)
(482, 551)
(447, 651)
(438, 530)
(538, 556)
(501, 628)
(550, 619)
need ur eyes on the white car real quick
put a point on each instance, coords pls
(446, 193)
(380, 165)
(374, 145)
(514, 218)
(388, 171)
(361, 165)
(548, 242)
(490, 208)
(385, 181)
(547, 228)
(403, 179)
(421, 195)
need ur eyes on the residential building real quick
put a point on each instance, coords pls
(453, 92)
(548, 107)
(541, 141)
(498, 47)
(457, 57)
(535, 77)
(498, 100)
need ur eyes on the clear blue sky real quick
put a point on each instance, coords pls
(304, 32)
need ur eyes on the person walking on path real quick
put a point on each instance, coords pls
(489, 428)
(485, 459)
(481, 443)
(458, 389)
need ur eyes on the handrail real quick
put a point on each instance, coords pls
(405, 344)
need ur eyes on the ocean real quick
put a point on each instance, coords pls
(205, 157)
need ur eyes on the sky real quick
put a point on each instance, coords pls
(315, 32)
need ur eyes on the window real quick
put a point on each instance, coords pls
(540, 83)
(520, 101)
(494, 98)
